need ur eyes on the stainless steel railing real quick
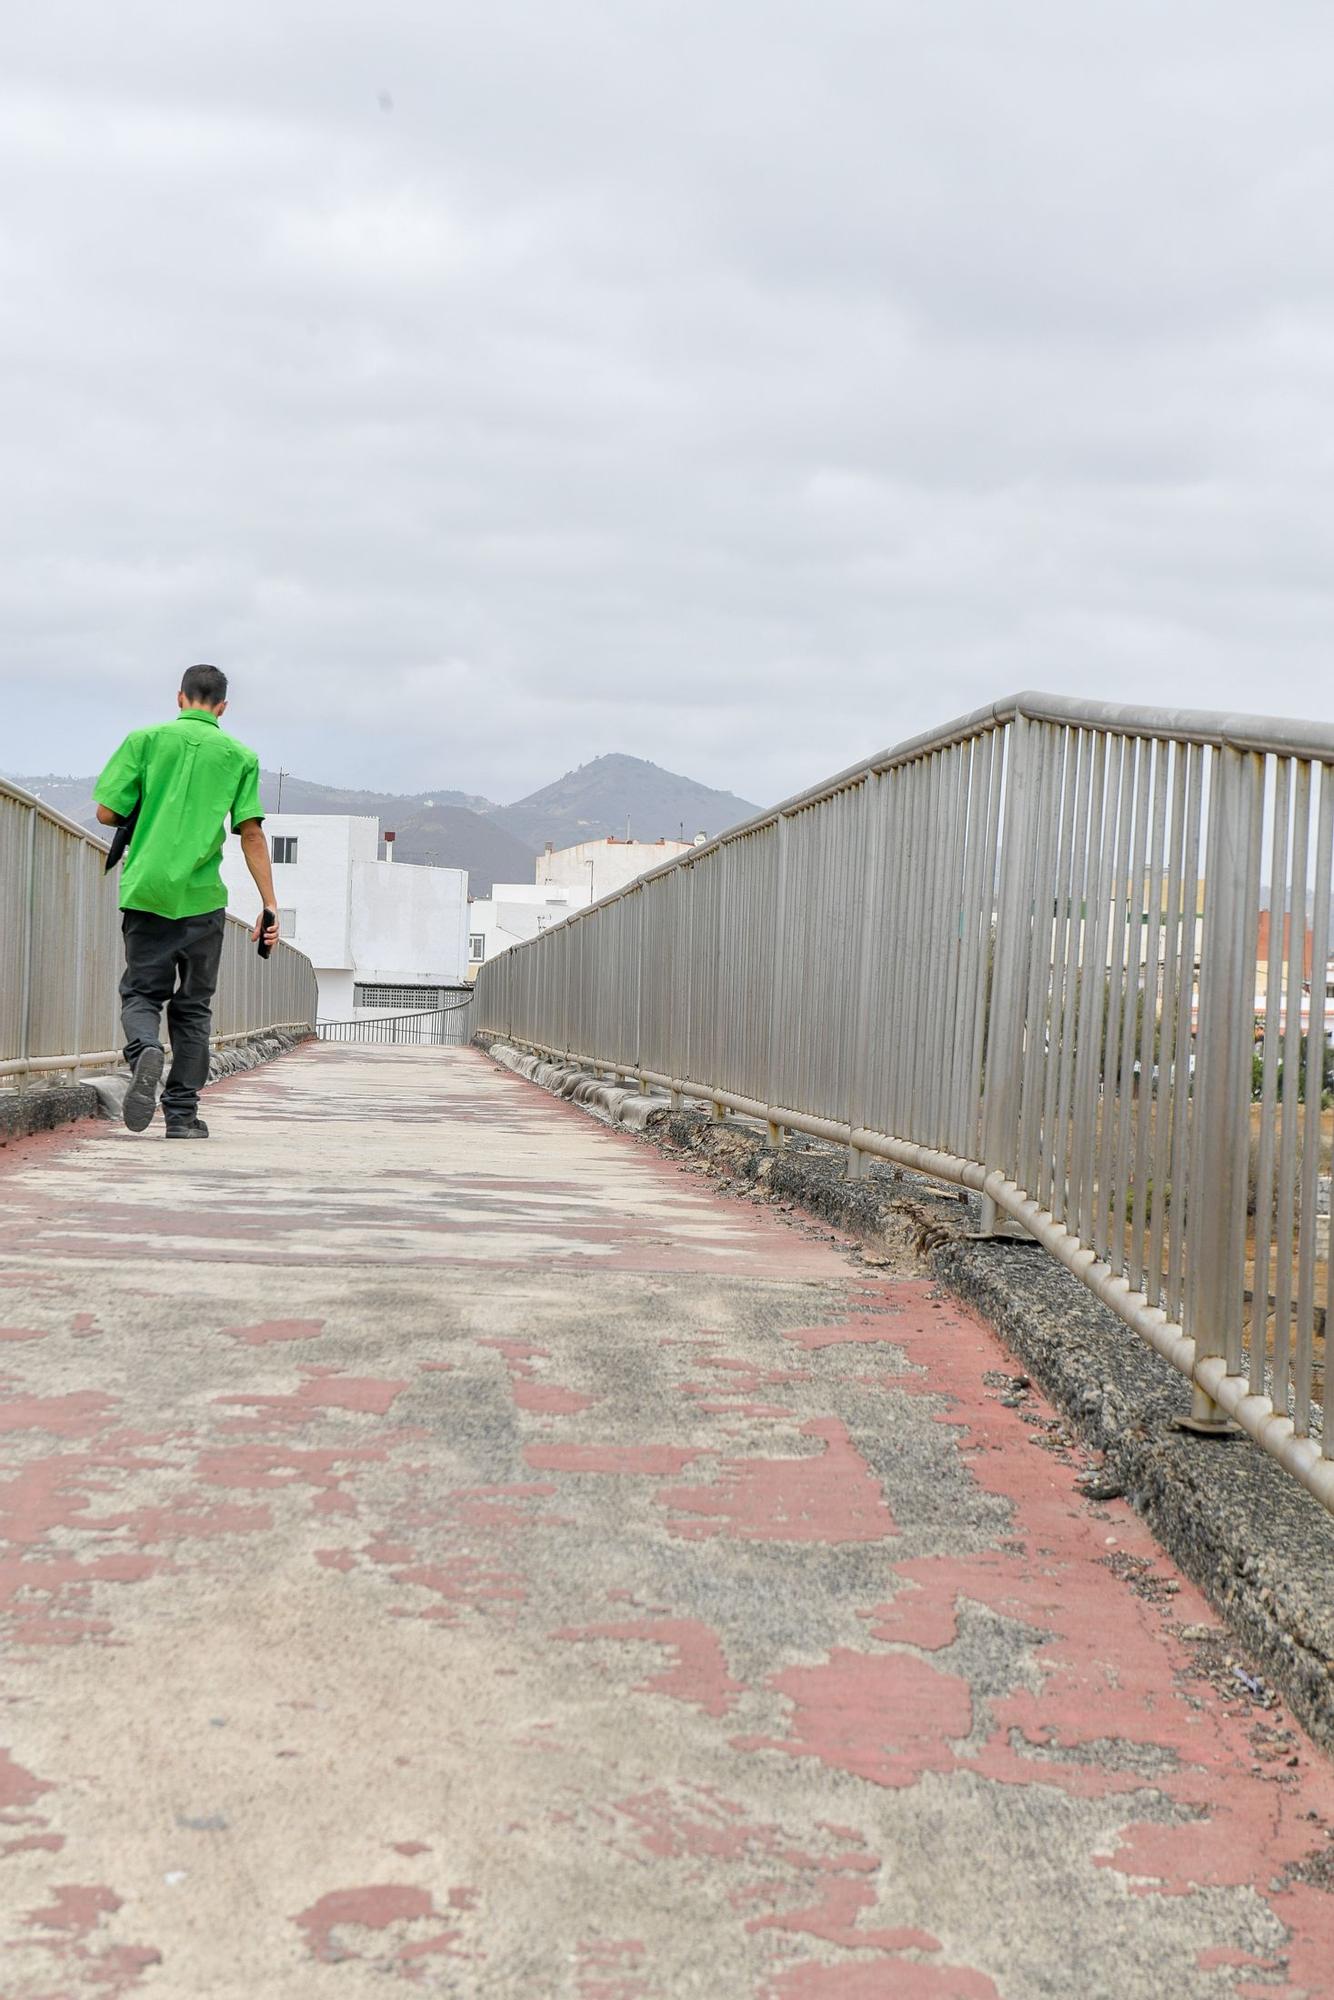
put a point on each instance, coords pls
(437, 1027)
(1020, 954)
(61, 959)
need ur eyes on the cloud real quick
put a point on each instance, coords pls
(743, 385)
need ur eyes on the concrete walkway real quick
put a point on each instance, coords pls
(451, 1549)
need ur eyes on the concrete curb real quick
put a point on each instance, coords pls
(613, 1101)
(1256, 1543)
(265, 1046)
(26, 1112)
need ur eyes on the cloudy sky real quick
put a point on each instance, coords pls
(743, 384)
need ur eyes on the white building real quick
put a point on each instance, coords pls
(568, 878)
(515, 912)
(603, 866)
(380, 934)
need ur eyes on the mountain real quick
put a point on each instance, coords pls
(442, 828)
(494, 843)
(299, 795)
(453, 837)
(615, 791)
(71, 796)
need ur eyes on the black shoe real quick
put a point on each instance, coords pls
(196, 1129)
(141, 1097)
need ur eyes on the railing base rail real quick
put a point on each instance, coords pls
(108, 1058)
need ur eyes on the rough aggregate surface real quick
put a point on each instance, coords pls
(1259, 1546)
(450, 1547)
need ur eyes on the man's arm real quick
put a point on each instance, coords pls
(117, 791)
(255, 848)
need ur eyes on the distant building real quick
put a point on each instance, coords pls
(1310, 981)
(515, 912)
(381, 935)
(604, 865)
(568, 879)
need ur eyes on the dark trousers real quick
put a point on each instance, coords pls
(172, 962)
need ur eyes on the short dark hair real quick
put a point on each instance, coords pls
(207, 685)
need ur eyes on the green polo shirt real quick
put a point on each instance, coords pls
(186, 777)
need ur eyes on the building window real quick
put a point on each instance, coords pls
(287, 923)
(284, 847)
(477, 947)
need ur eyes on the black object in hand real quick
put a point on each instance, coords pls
(267, 917)
(120, 840)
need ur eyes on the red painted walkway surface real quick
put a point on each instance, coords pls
(449, 1549)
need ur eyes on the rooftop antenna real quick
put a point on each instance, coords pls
(281, 775)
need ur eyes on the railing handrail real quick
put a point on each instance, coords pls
(392, 1014)
(435, 1027)
(1278, 736)
(26, 798)
(993, 953)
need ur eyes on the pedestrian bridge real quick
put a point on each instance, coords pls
(452, 1548)
(1074, 957)
(449, 1544)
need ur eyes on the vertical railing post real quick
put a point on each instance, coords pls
(640, 1064)
(1005, 1027)
(1317, 1014)
(722, 946)
(867, 931)
(29, 928)
(777, 990)
(1216, 1222)
(80, 898)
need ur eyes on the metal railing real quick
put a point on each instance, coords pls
(61, 957)
(1020, 954)
(438, 1027)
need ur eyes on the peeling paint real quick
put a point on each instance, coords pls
(829, 1497)
(699, 1670)
(660, 1603)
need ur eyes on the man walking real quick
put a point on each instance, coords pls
(183, 779)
